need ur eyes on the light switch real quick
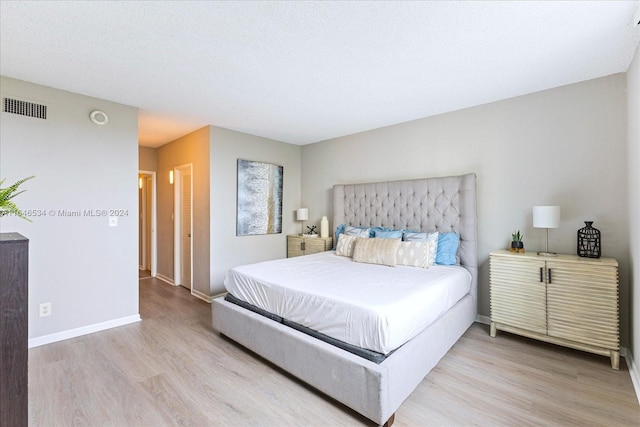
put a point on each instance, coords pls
(113, 221)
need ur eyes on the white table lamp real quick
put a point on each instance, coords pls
(302, 214)
(546, 217)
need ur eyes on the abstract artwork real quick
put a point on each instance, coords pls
(259, 198)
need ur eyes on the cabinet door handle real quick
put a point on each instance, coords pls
(549, 275)
(541, 273)
(302, 246)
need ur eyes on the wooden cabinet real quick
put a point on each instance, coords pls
(14, 352)
(301, 245)
(565, 300)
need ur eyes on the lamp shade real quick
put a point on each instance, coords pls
(546, 216)
(302, 214)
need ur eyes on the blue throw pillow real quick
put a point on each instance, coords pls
(387, 234)
(447, 248)
(350, 230)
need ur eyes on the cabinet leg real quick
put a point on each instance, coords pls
(615, 359)
(492, 331)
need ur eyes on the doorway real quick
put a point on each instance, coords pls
(147, 239)
(183, 228)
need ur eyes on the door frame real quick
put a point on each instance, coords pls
(154, 234)
(178, 172)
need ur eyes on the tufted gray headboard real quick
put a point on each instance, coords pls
(428, 204)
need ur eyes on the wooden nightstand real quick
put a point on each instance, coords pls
(565, 300)
(300, 245)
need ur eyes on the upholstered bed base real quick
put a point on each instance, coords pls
(375, 391)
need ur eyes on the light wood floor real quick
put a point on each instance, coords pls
(174, 369)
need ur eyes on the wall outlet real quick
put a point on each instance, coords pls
(45, 309)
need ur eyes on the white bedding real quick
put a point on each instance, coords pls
(371, 306)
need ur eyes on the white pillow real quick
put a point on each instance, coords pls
(432, 239)
(376, 251)
(414, 254)
(345, 245)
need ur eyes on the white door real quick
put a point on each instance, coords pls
(185, 225)
(147, 221)
(148, 231)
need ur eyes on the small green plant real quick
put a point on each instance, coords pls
(7, 206)
(516, 236)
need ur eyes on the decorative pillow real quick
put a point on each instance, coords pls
(339, 231)
(357, 231)
(374, 230)
(432, 239)
(447, 248)
(345, 245)
(413, 254)
(387, 234)
(413, 236)
(376, 251)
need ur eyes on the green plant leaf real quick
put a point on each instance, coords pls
(7, 207)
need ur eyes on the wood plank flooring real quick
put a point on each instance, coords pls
(174, 369)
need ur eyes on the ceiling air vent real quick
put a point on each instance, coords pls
(24, 108)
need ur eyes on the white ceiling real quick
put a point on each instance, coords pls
(303, 72)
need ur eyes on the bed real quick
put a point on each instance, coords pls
(373, 387)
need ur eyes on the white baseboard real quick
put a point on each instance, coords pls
(634, 372)
(204, 297)
(165, 279)
(84, 330)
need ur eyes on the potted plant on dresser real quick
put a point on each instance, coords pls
(14, 311)
(517, 245)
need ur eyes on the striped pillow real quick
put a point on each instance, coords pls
(376, 251)
(345, 245)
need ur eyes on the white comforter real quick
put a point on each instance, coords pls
(371, 306)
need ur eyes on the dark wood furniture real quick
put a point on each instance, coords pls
(14, 312)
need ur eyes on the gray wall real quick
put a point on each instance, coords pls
(564, 146)
(86, 269)
(633, 114)
(227, 249)
(192, 148)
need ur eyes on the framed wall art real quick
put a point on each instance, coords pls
(259, 198)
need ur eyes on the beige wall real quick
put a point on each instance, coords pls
(86, 269)
(147, 159)
(227, 249)
(192, 148)
(564, 146)
(633, 114)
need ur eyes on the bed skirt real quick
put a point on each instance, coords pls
(375, 391)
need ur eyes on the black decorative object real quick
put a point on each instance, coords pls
(312, 230)
(589, 241)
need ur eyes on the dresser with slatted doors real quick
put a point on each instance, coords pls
(565, 300)
(303, 245)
